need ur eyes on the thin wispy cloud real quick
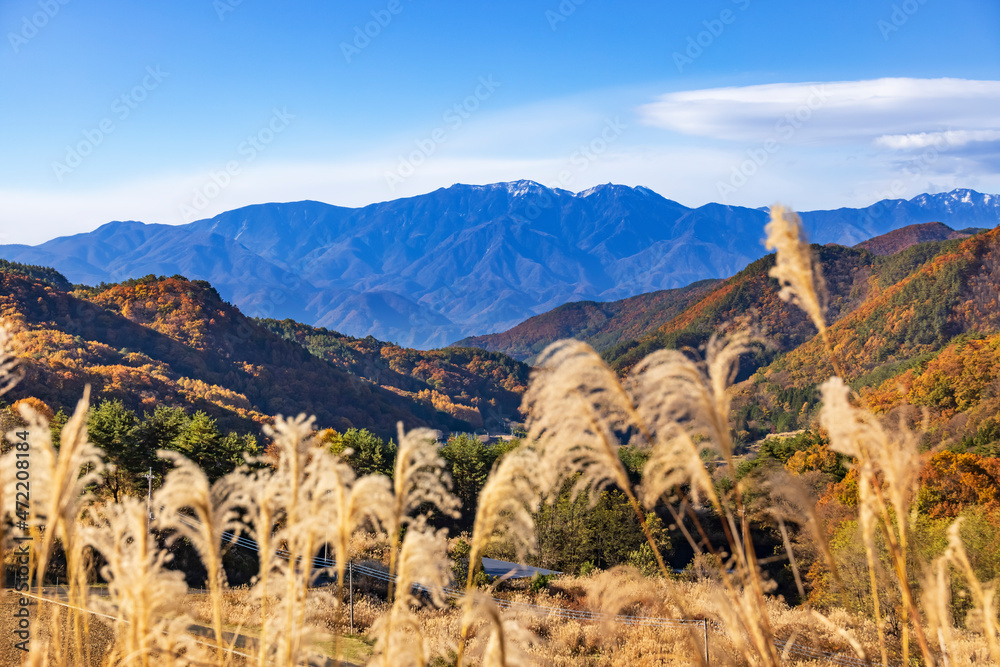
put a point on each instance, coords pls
(832, 112)
(928, 139)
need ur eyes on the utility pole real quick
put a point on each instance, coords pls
(707, 659)
(149, 497)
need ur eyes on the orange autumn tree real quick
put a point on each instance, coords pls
(950, 482)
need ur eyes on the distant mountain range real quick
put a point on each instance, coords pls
(465, 260)
(916, 328)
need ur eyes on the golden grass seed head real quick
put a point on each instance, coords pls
(799, 276)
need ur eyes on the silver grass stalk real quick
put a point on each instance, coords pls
(321, 501)
(935, 589)
(686, 405)
(792, 501)
(616, 591)
(295, 441)
(673, 388)
(577, 407)
(59, 495)
(143, 594)
(507, 638)
(856, 433)
(867, 517)
(306, 478)
(61, 477)
(423, 567)
(262, 511)
(741, 611)
(892, 453)
(795, 269)
(8, 378)
(983, 595)
(336, 498)
(419, 481)
(675, 460)
(852, 433)
(214, 508)
(894, 457)
(846, 636)
(506, 505)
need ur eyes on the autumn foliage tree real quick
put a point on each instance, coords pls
(950, 482)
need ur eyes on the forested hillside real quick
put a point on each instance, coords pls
(480, 387)
(912, 327)
(926, 339)
(901, 239)
(170, 341)
(601, 324)
(751, 296)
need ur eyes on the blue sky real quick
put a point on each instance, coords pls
(170, 112)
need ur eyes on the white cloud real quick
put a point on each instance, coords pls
(942, 140)
(832, 112)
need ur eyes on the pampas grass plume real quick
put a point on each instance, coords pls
(424, 566)
(215, 512)
(799, 276)
(143, 593)
(576, 406)
(10, 371)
